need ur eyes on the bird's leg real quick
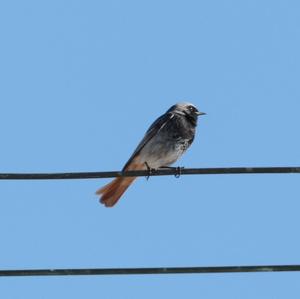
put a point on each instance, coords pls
(178, 170)
(150, 170)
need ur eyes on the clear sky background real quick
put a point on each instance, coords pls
(81, 81)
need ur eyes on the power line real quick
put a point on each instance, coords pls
(153, 271)
(138, 173)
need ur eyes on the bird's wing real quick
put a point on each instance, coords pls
(151, 132)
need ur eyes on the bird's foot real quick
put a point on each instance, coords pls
(150, 171)
(178, 170)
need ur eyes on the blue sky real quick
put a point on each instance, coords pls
(81, 81)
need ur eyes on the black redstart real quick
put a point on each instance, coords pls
(164, 142)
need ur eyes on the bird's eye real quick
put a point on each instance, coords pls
(192, 109)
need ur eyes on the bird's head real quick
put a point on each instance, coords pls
(186, 109)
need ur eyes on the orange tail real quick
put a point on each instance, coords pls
(114, 190)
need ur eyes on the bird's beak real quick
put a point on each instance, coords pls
(201, 113)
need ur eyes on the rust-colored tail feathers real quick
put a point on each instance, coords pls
(112, 192)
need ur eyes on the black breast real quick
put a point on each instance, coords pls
(179, 127)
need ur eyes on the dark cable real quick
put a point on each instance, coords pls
(137, 173)
(144, 271)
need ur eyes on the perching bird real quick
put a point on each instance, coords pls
(164, 142)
